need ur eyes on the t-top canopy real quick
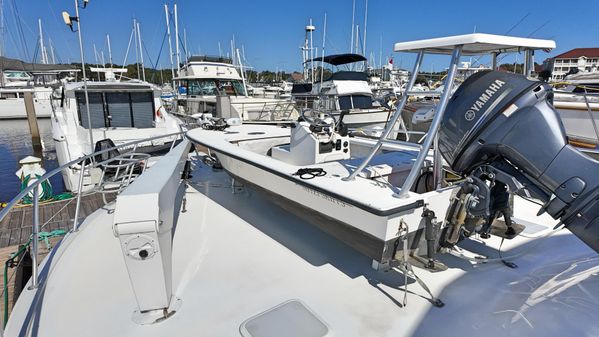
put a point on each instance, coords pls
(474, 44)
(339, 59)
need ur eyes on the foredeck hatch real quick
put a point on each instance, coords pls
(291, 319)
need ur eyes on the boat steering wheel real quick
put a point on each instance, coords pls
(316, 121)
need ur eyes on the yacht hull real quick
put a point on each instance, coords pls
(369, 120)
(577, 121)
(14, 108)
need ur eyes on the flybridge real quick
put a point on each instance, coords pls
(487, 94)
(207, 58)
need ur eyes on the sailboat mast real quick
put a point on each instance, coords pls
(1, 43)
(170, 45)
(52, 51)
(109, 50)
(312, 50)
(365, 26)
(96, 59)
(43, 54)
(324, 39)
(136, 52)
(141, 53)
(185, 43)
(177, 39)
(353, 16)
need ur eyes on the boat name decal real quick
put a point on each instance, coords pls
(326, 197)
(483, 99)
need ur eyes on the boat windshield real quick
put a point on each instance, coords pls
(355, 102)
(213, 87)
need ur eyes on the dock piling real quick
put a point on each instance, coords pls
(32, 120)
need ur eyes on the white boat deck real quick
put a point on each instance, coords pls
(364, 191)
(236, 255)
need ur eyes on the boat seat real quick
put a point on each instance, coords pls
(281, 152)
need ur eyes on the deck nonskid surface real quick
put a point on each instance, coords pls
(236, 255)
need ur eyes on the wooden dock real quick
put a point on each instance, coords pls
(15, 230)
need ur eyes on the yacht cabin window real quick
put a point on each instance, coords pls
(355, 102)
(117, 109)
(213, 87)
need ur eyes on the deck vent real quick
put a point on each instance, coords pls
(290, 319)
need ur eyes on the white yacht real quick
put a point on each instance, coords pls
(577, 101)
(209, 256)
(18, 78)
(213, 85)
(346, 94)
(119, 112)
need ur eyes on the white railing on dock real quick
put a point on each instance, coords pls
(84, 163)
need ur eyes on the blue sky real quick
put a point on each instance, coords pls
(272, 31)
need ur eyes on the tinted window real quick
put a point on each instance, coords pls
(355, 102)
(142, 108)
(362, 101)
(345, 102)
(117, 109)
(96, 109)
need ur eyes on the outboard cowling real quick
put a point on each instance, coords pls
(501, 131)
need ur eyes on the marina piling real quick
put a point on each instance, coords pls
(32, 121)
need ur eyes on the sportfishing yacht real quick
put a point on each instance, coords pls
(119, 112)
(346, 94)
(577, 101)
(393, 258)
(213, 85)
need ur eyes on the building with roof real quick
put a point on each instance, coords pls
(575, 60)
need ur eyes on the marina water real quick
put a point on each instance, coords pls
(15, 144)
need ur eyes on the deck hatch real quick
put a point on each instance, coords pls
(290, 319)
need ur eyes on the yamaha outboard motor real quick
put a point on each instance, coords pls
(501, 132)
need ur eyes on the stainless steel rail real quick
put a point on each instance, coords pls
(35, 186)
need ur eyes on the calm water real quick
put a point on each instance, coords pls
(15, 144)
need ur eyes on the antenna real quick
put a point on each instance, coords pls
(308, 52)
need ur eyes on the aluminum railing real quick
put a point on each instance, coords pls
(85, 163)
(272, 110)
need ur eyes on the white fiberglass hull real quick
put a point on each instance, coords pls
(578, 122)
(365, 216)
(366, 120)
(14, 108)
